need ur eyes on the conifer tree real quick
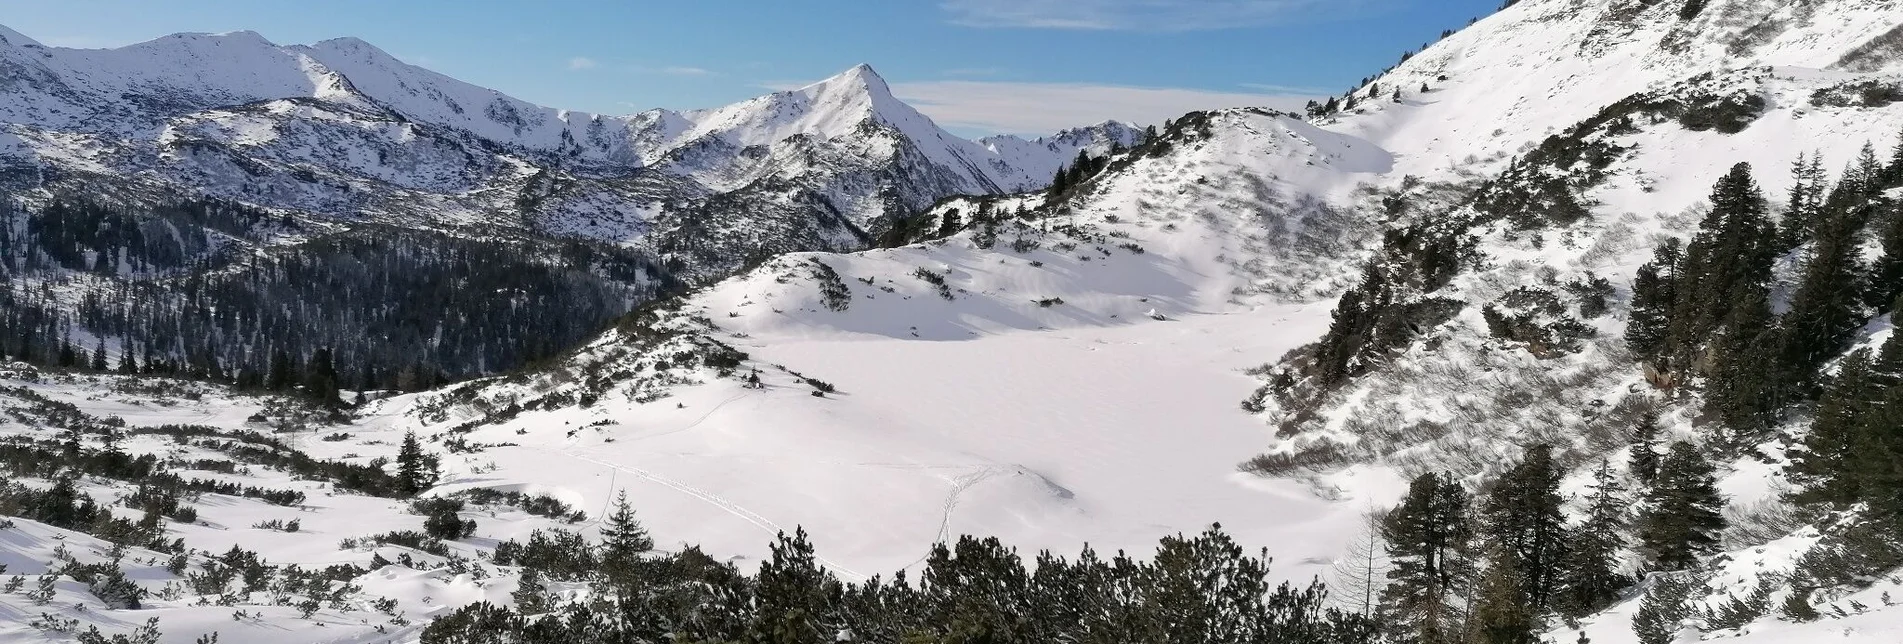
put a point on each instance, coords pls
(1748, 385)
(283, 375)
(1589, 574)
(1428, 538)
(1806, 202)
(1824, 466)
(623, 541)
(320, 381)
(531, 594)
(1682, 517)
(1726, 266)
(1886, 276)
(128, 365)
(412, 465)
(1827, 307)
(794, 596)
(1525, 524)
(1653, 293)
(1664, 609)
(1501, 614)
(1644, 462)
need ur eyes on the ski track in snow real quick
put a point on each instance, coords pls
(712, 499)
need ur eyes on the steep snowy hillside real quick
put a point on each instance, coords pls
(1538, 66)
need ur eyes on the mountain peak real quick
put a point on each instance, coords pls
(860, 79)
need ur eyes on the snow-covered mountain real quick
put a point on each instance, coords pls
(342, 130)
(1057, 368)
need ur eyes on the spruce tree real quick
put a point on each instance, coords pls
(1748, 385)
(1727, 265)
(412, 465)
(1524, 521)
(1653, 292)
(1877, 461)
(1828, 305)
(1428, 538)
(623, 541)
(283, 374)
(1501, 614)
(1644, 462)
(1886, 275)
(1805, 206)
(531, 594)
(1682, 517)
(1664, 608)
(1824, 467)
(1589, 575)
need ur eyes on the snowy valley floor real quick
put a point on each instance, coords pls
(1112, 436)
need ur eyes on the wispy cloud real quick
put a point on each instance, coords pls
(582, 62)
(1041, 108)
(973, 71)
(1146, 15)
(686, 71)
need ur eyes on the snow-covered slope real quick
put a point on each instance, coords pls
(1539, 66)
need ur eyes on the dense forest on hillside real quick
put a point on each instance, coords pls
(225, 292)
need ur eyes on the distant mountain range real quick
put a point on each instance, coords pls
(341, 130)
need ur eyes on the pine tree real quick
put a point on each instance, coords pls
(1524, 521)
(1886, 275)
(1428, 538)
(794, 596)
(1877, 461)
(1748, 386)
(531, 595)
(99, 357)
(1589, 575)
(1682, 518)
(283, 375)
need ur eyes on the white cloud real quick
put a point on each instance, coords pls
(1042, 108)
(582, 62)
(973, 71)
(686, 71)
(1145, 15)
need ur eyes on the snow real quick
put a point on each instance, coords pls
(1067, 386)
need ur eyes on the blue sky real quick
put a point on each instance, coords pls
(976, 66)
